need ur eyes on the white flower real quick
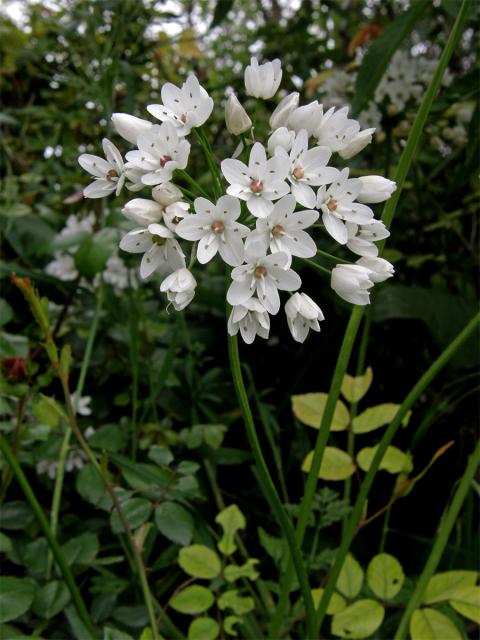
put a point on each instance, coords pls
(129, 127)
(166, 194)
(251, 319)
(215, 228)
(116, 275)
(82, 406)
(143, 211)
(302, 314)
(160, 152)
(262, 81)
(335, 129)
(134, 175)
(161, 251)
(180, 288)
(361, 238)
(282, 229)
(337, 203)
(75, 460)
(263, 275)
(185, 108)
(281, 138)
(259, 183)
(62, 267)
(352, 282)
(308, 168)
(307, 117)
(74, 226)
(109, 174)
(375, 189)
(236, 118)
(174, 213)
(380, 268)
(356, 144)
(285, 108)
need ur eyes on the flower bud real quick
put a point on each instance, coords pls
(359, 142)
(236, 118)
(375, 189)
(166, 193)
(143, 211)
(129, 127)
(302, 314)
(262, 81)
(380, 268)
(180, 288)
(352, 282)
(279, 117)
(283, 138)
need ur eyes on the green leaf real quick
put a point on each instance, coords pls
(376, 417)
(276, 548)
(429, 624)
(448, 585)
(110, 633)
(16, 596)
(91, 487)
(82, 549)
(199, 561)
(385, 576)
(309, 409)
(111, 437)
(354, 388)
(381, 51)
(467, 602)
(47, 411)
(350, 579)
(232, 600)
(5, 544)
(94, 251)
(193, 599)
(228, 623)
(203, 629)
(337, 602)
(175, 522)
(51, 599)
(231, 519)
(394, 461)
(359, 620)
(247, 570)
(136, 510)
(15, 515)
(6, 312)
(13, 346)
(336, 464)
(160, 455)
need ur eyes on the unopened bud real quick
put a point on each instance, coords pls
(279, 117)
(166, 194)
(236, 118)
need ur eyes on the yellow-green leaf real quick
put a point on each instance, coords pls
(336, 464)
(467, 602)
(337, 602)
(376, 417)
(448, 585)
(354, 388)
(233, 572)
(199, 561)
(394, 460)
(193, 599)
(359, 620)
(231, 519)
(385, 576)
(309, 409)
(429, 624)
(350, 579)
(203, 629)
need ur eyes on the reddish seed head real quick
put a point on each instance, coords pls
(112, 174)
(164, 160)
(256, 186)
(260, 272)
(218, 227)
(15, 368)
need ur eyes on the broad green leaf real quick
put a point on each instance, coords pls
(136, 511)
(111, 437)
(47, 411)
(429, 624)
(203, 629)
(309, 409)
(376, 417)
(337, 602)
(359, 620)
(175, 522)
(82, 549)
(385, 576)
(467, 602)
(231, 519)
(94, 251)
(147, 634)
(394, 460)
(228, 623)
(15, 515)
(350, 579)
(110, 633)
(6, 544)
(448, 585)
(16, 596)
(336, 464)
(193, 599)
(355, 387)
(91, 488)
(247, 570)
(232, 600)
(51, 599)
(13, 346)
(160, 455)
(6, 312)
(381, 51)
(199, 561)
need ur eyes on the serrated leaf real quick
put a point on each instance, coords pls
(355, 387)
(16, 596)
(394, 461)
(193, 599)
(232, 600)
(429, 624)
(310, 407)
(447, 585)
(203, 629)
(337, 602)
(247, 570)
(385, 576)
(336, 464)
(350, 579)
(199, 561)
(51, 599)
(467, 603)
(231, 520)
(376, 417)
(136, 511)
(359, 620)
(175, 522)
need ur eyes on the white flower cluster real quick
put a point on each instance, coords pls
(278, 191)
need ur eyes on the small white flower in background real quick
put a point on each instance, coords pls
(116, 274)
(302, 314)
(109, 174)
(82, 407)
(215, 228)
(251, 319)
(47, 467)
(76, 459)
(260, 183)
(185, 108)
(308, 117)
(236, 118)
(180, 288)
(62, 267)
(263, 275)
(361, 238)
(143, 211)
(281, 138)
(160, 152)
(285, 108)
(262, 81)
(166, 193)
(174, 213)
(130, 127)
(375, 189)
(380, 268)
(282, 229)
(352, 283)
(75, 225)
(162, 253)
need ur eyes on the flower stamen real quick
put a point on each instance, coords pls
(218, 227)
(260, 272)
(256, 186)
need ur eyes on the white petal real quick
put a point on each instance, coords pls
(239, 291)
(259, 207)
(304, 194)
(207, 247)
(137, 241)
(335, 227)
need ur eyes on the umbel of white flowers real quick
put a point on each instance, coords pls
(276, 190)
